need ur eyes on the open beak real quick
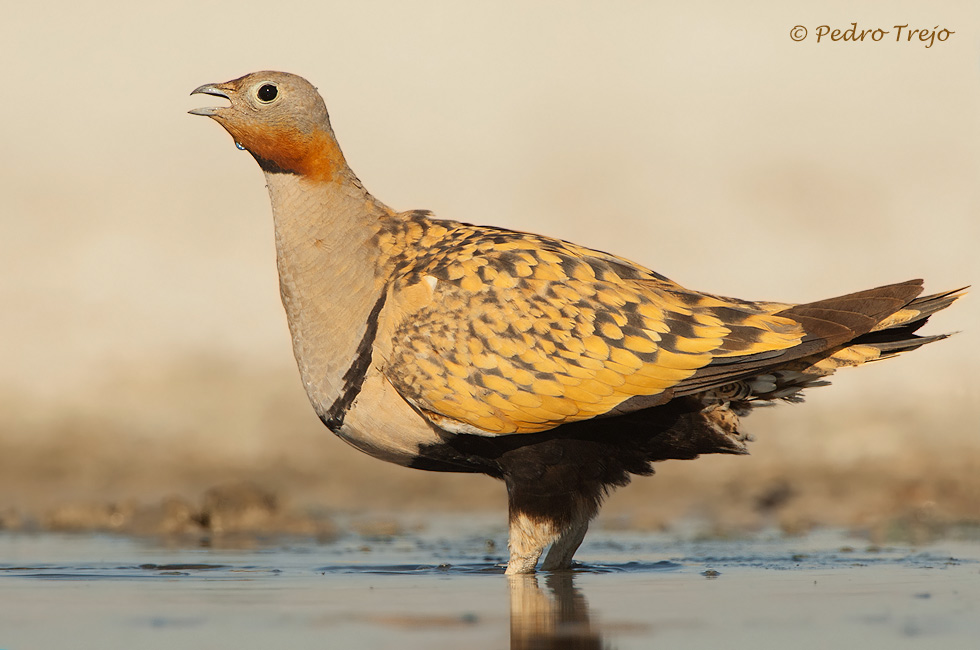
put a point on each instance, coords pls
(218, 90)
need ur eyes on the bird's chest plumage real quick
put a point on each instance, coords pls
(379, 422)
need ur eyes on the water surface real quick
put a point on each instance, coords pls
(439, 588)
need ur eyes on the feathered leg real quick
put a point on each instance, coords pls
(562, 549)
(538, 520)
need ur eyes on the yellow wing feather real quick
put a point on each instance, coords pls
(519, 333)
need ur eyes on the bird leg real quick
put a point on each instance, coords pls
(528, 539)
(562, 549)
(530, 535)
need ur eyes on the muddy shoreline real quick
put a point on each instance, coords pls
(918, 501)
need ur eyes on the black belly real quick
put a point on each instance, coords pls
(602, 451)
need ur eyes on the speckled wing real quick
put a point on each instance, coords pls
(501, 332)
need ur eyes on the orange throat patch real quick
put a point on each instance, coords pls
(316, 155)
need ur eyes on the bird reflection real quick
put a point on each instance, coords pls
(556, 617)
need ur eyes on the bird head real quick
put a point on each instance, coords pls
(281, 120)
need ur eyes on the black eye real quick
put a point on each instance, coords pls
(267, 93)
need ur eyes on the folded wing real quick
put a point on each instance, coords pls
(498, 332)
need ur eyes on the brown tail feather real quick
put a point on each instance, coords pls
(891, 348)
(828, 324)
(894, 334)
(921, 308)
(838, 320)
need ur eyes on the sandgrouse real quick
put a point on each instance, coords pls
(560, 369)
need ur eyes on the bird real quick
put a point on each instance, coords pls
(559, 369)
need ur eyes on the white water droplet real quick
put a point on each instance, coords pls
(239, 145)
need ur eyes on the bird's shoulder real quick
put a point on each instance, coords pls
(416, 244)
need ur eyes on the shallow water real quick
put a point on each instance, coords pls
(441, 589)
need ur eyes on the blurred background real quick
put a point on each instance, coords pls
(144, 354)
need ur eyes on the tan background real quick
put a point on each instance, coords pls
(142, 346)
